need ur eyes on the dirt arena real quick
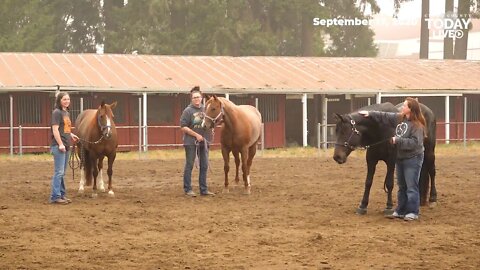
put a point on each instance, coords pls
(300, 216)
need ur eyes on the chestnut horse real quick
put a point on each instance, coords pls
(240, 134)
(98, 138)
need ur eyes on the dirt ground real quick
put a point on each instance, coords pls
(300, 215)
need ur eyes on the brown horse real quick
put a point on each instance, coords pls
(240, 133)
(98, 138)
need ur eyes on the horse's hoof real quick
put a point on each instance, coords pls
(81, 191)
(388, 211)
(432, 204)
(102, 189)
(226, 190)
(94, 195)
(361, 211)
(247, 191)
(111, 194)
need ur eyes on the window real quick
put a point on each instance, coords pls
(268, 107)
(241, 100)
(75, 105)
(159, 109)
(4, 109)
(118, 112)
(184, 101)
(29, 109)
(361, 102)
(473, 110)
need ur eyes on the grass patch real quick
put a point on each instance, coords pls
(473, 148)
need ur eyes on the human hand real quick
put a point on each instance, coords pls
(199, 138)
(364, 113)
(74, 137)
(62, 148)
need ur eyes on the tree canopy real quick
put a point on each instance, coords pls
(185, 27)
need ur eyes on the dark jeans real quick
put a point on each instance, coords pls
(190, 160)
(408, 175)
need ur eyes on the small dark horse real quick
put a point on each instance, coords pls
(240, 134)
(98, 138)
(355, 131)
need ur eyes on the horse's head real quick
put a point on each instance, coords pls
(348, 137)
(105, 119)
(213, 112)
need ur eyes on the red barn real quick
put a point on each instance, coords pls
(293, 94)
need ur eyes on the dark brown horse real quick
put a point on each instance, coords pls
(240, 133)
(98, 138)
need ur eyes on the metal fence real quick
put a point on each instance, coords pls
(142, 145)
(326, 133)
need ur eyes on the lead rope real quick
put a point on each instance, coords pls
(74, 161)
(197, 150)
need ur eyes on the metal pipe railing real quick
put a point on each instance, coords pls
(21, 147)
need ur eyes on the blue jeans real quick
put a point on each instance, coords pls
(408, 175)
(190, 160)
(60, 159)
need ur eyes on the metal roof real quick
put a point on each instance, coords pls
(225, 74)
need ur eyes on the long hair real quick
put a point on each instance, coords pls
(416, 115)
(58, 100)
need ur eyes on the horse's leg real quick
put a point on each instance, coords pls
(84, 170)
(431, 171)
(111, 159)
(246, 179)
(95, 174)
(101, 186)
(251, 153)
(423, 182)
(237, 165)
(371, 165)
(81, 187)
(389, 186)
(226, 166)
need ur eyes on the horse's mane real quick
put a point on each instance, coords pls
(227, 103)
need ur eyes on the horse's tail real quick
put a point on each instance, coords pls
(88, 169)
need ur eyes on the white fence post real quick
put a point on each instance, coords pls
(11, 125)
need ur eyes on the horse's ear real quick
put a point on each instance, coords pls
(207, 97)
(113, 105)
(337, 117)
(102, 104)
(215, 97)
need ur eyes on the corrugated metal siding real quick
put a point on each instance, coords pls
(152, 73)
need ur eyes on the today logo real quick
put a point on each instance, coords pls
(451, 28)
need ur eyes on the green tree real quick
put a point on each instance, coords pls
(49, 26)
(25, 26)
(350, 41)
(184, 27)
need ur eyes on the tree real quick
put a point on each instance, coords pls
(448, 41)
(350, 40)
(424, 32)
(185, 27)
(460, 46)
(49, 26)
